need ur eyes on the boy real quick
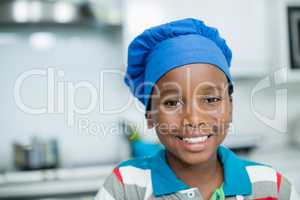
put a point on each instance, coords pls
(180, 72)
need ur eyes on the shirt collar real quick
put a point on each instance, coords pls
(236, 179)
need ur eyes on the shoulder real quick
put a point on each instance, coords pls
(261, 172)
(268, 180)
(140, 162)
(130, 179)
(134, 171)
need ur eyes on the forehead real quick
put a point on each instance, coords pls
(193, 76)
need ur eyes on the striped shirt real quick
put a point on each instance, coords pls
(151, 178)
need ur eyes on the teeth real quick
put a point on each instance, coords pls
(195, 139)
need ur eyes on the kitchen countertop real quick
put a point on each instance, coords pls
(50, 183)
(88, 180)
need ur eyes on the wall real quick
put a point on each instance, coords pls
(81, 52)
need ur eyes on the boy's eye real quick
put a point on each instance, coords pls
(212, 99)
(172, 103)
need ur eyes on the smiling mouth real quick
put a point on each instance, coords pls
(195, 139)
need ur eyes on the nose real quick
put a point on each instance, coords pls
(192, 122)
(194, 116)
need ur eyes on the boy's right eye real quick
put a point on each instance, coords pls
(172, 103)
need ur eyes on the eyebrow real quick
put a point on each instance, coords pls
(167, 90)
(211, 88)
(205, 88)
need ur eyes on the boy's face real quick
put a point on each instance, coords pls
(191, 110)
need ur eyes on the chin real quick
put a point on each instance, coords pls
(194, 158)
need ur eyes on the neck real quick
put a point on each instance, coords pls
(208, 174)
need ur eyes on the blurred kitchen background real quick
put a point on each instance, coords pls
(57, 55)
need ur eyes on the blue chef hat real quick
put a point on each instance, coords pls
(162, 48)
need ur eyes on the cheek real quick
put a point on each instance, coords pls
(167, 126)
(223, 114)
(222, 120)
(220, 137)
(169, 120)
(167, 139)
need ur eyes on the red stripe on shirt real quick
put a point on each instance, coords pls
(267, 198)
(118, 174)
(278, 181)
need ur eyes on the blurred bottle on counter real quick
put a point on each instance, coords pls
(36, 154)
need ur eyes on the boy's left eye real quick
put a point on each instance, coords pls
(212, 99)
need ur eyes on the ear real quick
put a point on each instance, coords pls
(230, 107)
(150, 120)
